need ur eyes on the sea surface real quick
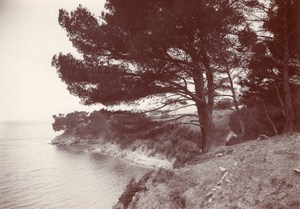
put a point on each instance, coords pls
(37, 175)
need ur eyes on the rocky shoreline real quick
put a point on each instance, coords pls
(136, 153)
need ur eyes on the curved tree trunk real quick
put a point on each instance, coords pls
(269, 119)
(236, 106)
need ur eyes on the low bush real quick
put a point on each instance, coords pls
(70, 121)
(256, 121)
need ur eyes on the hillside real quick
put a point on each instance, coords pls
(254, 174)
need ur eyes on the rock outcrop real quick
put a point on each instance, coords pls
(65, 139)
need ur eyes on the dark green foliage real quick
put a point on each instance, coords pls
(70, 121)
(289, 9)
(175, 133)
(82, 124)
(103, 123)
(132, 123)
(148, 48)
(121, 125)
(256, 121)
(263, 80)
(275, 57)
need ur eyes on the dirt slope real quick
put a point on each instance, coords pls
(255, 174)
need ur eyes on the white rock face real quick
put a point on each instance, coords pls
(141, 155)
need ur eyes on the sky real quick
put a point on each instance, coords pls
(30, 35)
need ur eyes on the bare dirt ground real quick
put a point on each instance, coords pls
(255, 175)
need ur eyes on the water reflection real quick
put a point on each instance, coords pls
(35, 174)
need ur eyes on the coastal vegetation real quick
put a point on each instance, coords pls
(186, 54)
(235, 62)
(130, 131)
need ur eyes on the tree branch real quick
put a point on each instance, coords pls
(164, 105)
(177, 118)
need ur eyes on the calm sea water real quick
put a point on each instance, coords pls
(35, 174)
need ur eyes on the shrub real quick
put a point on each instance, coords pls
(256, 122)
(120, 124)
(132, 123)
(70, 121)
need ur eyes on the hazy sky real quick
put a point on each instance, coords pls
(29, 36)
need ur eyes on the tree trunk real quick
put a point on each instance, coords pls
(242, 124)
(203, 112)
(206, 127)
(210, 100)
(288, 103)
(269, 119)
(280, 99)
(203, 125)
(289, 110)
(236, 105)
(210, 95)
